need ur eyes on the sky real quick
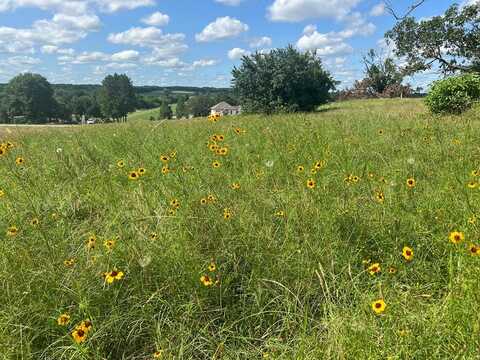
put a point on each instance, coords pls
(189, 42)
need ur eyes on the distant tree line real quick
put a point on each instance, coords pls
(30, 98)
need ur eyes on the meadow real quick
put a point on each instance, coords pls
(350, 233)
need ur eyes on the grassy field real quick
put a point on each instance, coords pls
(146, 114)
(318, 236)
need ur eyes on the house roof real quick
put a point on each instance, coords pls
(224, 106)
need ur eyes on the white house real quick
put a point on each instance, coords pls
(224, 108)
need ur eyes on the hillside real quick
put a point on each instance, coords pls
(350, 233)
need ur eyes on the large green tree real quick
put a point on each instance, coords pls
(165, 111)
(30, 95)
(450, 41)
(117, 97)
(282, 80)
(199, 105)
(380, 73)
(181, 109)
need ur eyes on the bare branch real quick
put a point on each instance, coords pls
(389, 7)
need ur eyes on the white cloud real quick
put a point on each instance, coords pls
(204, 63)
(221, 28)
(324, 44)
(378, 10)
(23, 60)
(260, 42)
(229, 2)
(52, 49)
(89, 57)
(156, 19)
(357, 26)
(127, 55)
(237, 53)
(299, 10)
(116, 5)
(147, 37)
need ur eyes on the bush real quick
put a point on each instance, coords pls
(454, 95)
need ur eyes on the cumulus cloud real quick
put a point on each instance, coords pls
(378, 10)
(260, 42)
(299, 10)
(222, 28)
(76, 6)
(156, 19)
(324, 44)
(127, 55)
(237, 53)
(204, 63)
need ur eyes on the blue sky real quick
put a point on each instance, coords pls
(188, 42)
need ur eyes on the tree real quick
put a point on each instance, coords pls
(117, 97)
(181, 111)
(30, 95)
(199, 105)
(81, 104)
(380, 73)
(282, 80)
(450, 41)
(165, 111)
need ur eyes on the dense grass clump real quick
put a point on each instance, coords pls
(347, 234)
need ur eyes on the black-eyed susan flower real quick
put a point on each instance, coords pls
(165, 170)
(142, 171)
(300, 168)
(411, 183)
(227, 214)
(223, 151)
(133, 175)
(379, 306)
(153, 236)
(211, 198)
(238, 131)
(19, 160)
(212, 267)
(175, 203)
(3, 151)
(381, 131)
(380, 196)
(91, 242)
(472, 184)
(474, 250)
(392, 270)
(472, 220)
(173, 154)
(164, 158)
(12, 230)
(475, 173)
(407, 253)
(79, 335)
(206, 280)
(355, 179)
(113, 275)
(158, 354)
(69, 262)
(216, 164)
(34, 222)
(171, 212)
(280, 213)
(63, 319)
(109, 244)
(319, 165)
(456, 237)
(121, 163)
(374, 269)
(235, 186)
(311, 184)
(220, 137)
(203, 201)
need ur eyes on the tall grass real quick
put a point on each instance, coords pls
(295, 286)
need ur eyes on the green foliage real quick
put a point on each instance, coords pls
(380, 74)
(454, 94)
(30, 95)
(450, 41)
(117, 96)
(200, 105)
(181, 111)
(165, 111)
(283, 80)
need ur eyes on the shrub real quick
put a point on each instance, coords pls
(454, 94)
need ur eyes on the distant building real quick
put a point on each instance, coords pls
(225, 108)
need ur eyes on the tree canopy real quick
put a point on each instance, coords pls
(450, 41)
(30, 95)
(380, 73)
(282, 80)
(117, 97)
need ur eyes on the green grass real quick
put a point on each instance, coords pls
(146, 114)
(292, 287)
